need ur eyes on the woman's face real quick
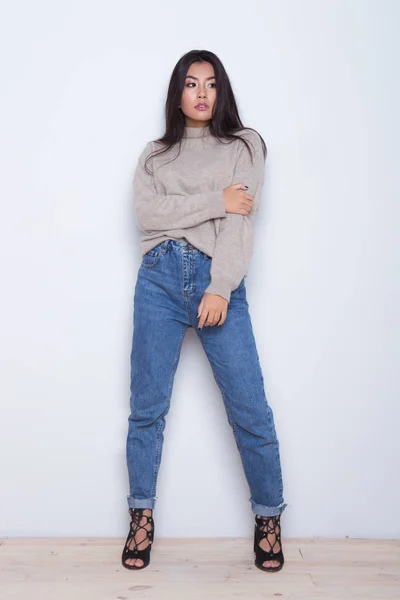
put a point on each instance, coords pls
(200, 89)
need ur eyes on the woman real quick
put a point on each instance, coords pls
(194, 208)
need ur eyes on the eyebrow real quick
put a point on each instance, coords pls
(193, 77)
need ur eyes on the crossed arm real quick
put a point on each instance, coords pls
(234, 244)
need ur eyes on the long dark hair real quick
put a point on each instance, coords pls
(225, 122)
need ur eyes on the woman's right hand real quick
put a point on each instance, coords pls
(236, 200)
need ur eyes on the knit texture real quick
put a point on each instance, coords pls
(183, 200)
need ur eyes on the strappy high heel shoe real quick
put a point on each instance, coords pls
(144, 554)
(264, 527)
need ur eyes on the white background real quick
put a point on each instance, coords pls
(83, 86)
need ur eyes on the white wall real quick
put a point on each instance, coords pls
(83, 86)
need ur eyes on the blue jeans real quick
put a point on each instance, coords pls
(170, 284)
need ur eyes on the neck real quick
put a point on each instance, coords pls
(197, 132)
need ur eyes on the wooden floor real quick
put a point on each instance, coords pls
(212, 569)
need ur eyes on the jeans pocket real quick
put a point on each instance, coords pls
(150, 259)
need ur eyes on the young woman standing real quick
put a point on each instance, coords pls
(194, 208)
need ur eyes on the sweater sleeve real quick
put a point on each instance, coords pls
(234, 244)
(157, 212)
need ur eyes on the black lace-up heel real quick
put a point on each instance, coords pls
(263, 527)
(144, 555)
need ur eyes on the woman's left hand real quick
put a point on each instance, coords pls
(212, 310)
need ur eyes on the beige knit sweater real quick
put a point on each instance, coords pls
(183, 200)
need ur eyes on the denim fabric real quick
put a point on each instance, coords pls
(171, 281)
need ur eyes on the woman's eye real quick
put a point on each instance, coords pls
(192, 83)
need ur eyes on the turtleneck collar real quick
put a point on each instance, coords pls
(197, 132)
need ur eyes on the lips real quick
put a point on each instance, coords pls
(201, 106)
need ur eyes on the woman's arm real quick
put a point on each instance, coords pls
(235, 240)
(175, 211)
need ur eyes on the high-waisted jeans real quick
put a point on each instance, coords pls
(171, 281)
